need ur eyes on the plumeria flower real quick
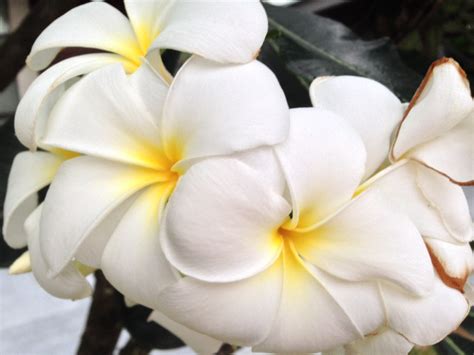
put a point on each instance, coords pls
(226, 32)
(290, 274)
(435, 204)
(432, 149)
(137, 138)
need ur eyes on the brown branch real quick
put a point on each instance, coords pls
(225, 349)
(105, 320)
(16, 47)
(133, 348)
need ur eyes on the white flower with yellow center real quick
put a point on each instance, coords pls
(223, 31)
(137, 138)
(432, 149)
(254, 276)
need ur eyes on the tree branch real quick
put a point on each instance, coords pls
(105, 320)
(225, 349)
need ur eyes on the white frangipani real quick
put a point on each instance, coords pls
(431, 149)
(255, 276)
(137, 138)
(226, 32)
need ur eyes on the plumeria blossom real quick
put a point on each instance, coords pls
(226, 32)
(425, 166)
(291, 274)
(137, 138)
(432, 149)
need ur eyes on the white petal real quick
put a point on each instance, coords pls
(449, 200)
(84, 193)
(368, 106)
(35, 106)
(214, 109)
(323, 160)
(30, 172)
(401, 186)
(104, 116)
(227, 32)
(452, 261)
(452, 153)
(385, 341)
(132, 260)
(441, 102)
(367, 240)
(95, 25)
(70, 283)
(240, 313)
(311, 317)
(200, 343)
(222, 221)
(425, 320)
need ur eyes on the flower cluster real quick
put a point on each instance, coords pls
(339, 227)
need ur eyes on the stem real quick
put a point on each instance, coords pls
(225, 349)
(105, 319)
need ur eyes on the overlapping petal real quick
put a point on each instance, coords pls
(239, 313)
(215, 109)
(200, 343)
(452, 153)
(442, 101)
(367, 240)
(323, 160)
(316, 310)
(84, 193)
(70, 283)
(227, 32)
(368, 106)
(452, 261)
(94, 25)
(443, 310)
(30, 172)
(107, 115)
(132, 259)
(35, 106)
(222, 220)
(445, 216)
(385, 341)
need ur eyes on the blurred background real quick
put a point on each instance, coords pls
(32, 322)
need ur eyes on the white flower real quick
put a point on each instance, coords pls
(431, 150)
(137, 139)
(227, 32)
(256, 277)
(436, 133)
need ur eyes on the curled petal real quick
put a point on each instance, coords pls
(69, 283)
(35, 106)
(94, 25)
(226, 32)
(30, 172)
(441, 102)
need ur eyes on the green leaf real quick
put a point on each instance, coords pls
(313, 46)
